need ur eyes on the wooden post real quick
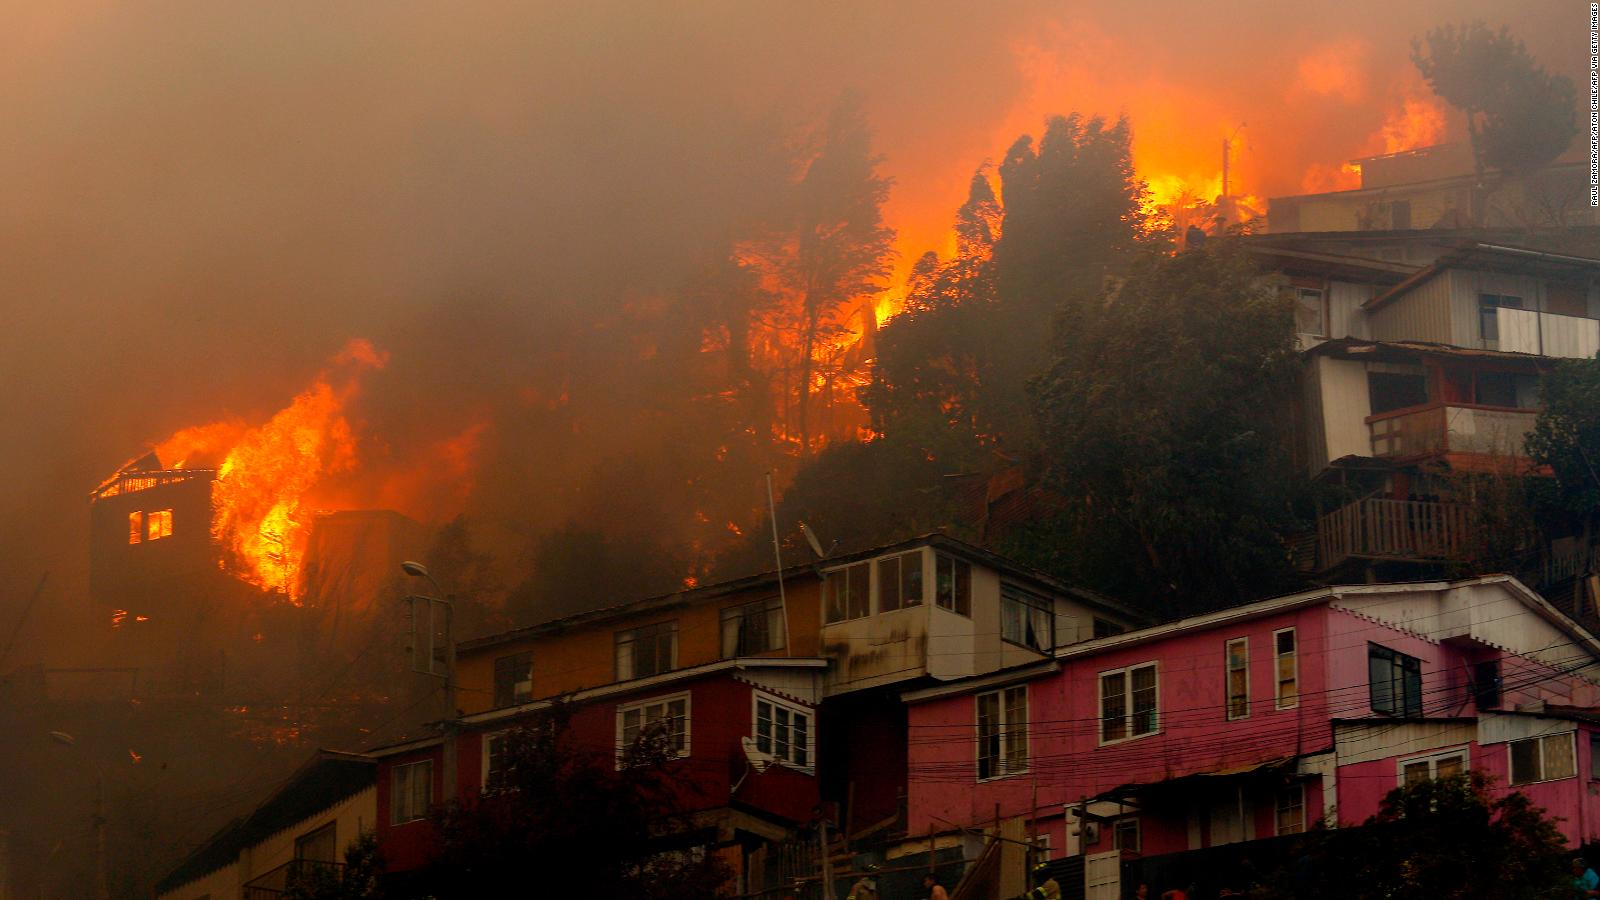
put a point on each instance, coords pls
(827, 861)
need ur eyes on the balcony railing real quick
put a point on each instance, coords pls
(1377, 528)
(302, 873)
(1451, 428)
(1545, 334)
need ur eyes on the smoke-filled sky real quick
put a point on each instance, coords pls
(204, 201)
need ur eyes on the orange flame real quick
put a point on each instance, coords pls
(258, 497)
(1419, 122)
(259, 513)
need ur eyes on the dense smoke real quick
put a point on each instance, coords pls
(205, 202)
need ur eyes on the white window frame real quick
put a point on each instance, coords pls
(395, 807)
(1571, 738)
(1298, 788)
(739, 613)
(1277, 663)
(1433, 758)
(671, 627)
(663, 700)
(871, 566)
(1126, 673)
(1227, 678)
(1300, 292)
(483, 767)
(1013, 593)
(1008, 730)
(795, 709)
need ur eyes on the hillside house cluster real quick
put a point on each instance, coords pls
(930, 706)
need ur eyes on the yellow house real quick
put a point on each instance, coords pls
(304, 827)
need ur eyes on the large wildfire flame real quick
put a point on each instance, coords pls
(260, 513)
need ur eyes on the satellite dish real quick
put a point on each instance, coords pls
(816, 545)
(757, 759)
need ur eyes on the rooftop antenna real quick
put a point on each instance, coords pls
(816, 545)
(777, 555)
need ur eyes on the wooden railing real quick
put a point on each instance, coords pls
(1451, 427)
(1376, 528)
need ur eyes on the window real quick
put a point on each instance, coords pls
(1003, 732)
(494, 759)
(1505, 389)
(1026, 618)
(848, 592)
(1102, 628)
(1543, 759)
(1434, 766)
(954, 580)
(1125, 835)
(412, 791)
(1594, 756)
(158, 524)
(1486, 684)
(752, 628)
(783, 731)
(646, 651)
(1291, 818)
(1488, 319)
(1395, 682)
(320, 845)
(665, 717)
(1388, 391)
(513, 679)
(1128, 703)
(1238, 678)
(1310, 314)
(900, 581)
(1288, 668)
(135, 527)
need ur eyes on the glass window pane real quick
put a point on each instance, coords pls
(911, 579)
(888, 584)
(1144, 699)
(1113, 707)
(1448, 767)
(1557, 757)
(1524, 761)
(1415, 772)
(835, 588)
(860, 591)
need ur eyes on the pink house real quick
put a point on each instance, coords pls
(1261, 720)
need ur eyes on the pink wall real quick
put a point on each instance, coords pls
(1068, 762)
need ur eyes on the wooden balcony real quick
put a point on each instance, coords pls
(1441, 428)
(1376, 528)
(304, 875)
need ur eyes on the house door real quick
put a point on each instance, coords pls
(1102, 876)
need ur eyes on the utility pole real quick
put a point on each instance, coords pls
(436, 605)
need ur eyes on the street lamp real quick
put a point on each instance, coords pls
(103, 890)
(418, 570)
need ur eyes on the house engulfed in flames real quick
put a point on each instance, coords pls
(176, 600)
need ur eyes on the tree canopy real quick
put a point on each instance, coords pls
(1165, 419)
(1444, 838)
(1519, 116)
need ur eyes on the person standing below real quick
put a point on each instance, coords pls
(935, 890)
(1585, 883)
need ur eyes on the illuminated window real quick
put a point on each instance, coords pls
(135, 527)
(159, 524)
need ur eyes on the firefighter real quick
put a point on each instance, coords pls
(866, 887)
(1048, 889)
